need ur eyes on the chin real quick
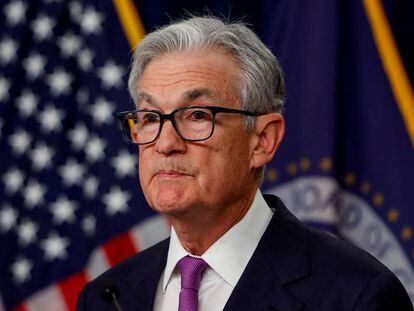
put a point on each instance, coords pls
(170, 210)
(170, 201)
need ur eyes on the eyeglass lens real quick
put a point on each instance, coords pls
(191, 123)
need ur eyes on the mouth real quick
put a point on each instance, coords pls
(171, 174)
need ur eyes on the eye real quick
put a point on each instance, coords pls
(199, 115)
(148, 117)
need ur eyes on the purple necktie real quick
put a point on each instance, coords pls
(191, 270)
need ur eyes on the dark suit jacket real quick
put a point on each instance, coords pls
(292, 268)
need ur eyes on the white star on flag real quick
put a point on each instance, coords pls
(90, 187)
(20, 141)
(26, 231)
(13, 180)
(51, 119)
(21, 270)
(15, 12)
(33, 193)
(111, 75)
(71, 172)
(54, 247)
(78, 136)
(63, 210)
(34, 65)
(8, 218)
(42, 27)
(27, 103)
(41, 156)
(8, 50)
(101, 111)
(91, 21)
(89, 224)
(69, 44)
(59, 82)
(95, 149)
(85, 58)
(75, 11)
(116, 201)
(124, 164)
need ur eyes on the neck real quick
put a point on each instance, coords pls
(197, 232)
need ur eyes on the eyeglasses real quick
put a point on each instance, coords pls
(191, 123)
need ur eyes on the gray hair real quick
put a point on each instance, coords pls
(261, 86)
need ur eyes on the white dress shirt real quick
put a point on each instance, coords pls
(226, 258)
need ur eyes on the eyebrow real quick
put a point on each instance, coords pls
(144, 96)
(188, 96)
(197, 93)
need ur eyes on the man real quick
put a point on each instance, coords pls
(209, 97)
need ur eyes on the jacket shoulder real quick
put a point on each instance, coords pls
(333, 253)
(329, 272)
(139, 273)
(137, 261)
(356, 277)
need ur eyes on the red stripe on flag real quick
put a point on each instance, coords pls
(119, 248)
(20, 308)
(70, 288)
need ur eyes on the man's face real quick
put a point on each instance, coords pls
(180, 176)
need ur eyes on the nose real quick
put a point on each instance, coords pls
(169, 141)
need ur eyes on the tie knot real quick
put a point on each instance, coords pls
(191, 270)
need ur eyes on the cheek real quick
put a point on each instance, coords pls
(225, 167)
(144, 170)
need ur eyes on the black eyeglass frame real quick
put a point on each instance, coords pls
(125, 115)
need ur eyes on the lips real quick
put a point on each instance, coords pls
(171, 174)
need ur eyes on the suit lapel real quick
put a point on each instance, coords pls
(144, 280)
(259, 290)
(281, 257)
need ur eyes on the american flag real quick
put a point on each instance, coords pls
(70, 204)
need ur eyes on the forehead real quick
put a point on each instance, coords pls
(189, 76)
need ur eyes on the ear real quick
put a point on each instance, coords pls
(268, 134)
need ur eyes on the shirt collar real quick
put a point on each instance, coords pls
(229, 255)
